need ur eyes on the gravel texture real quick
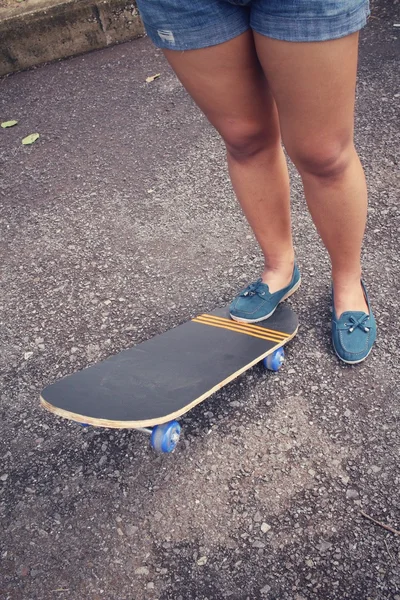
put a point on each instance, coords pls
(120, 222)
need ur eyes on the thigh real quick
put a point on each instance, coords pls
(314, 87)
(227, 82)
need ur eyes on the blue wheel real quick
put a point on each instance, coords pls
(274, 361)
(164, 438)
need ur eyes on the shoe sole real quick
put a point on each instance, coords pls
(351, 362)
(285, 297)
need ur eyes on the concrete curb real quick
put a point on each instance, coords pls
(44, 30)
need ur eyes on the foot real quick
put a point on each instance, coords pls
(256, 302)
(350, 297)
(354, 331)
(277, 279)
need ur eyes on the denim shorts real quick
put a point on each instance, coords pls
(191, 24)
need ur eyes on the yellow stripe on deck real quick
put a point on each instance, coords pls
(248, 327)
(238, 328)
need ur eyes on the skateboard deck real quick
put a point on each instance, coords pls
(162, 378)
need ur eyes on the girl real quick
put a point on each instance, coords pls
(272, 71)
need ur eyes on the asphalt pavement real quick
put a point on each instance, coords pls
(118, 223)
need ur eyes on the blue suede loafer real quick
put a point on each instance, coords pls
(256, 303)
(353, 333)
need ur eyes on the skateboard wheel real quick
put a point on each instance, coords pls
(274, 361)
(164, 438)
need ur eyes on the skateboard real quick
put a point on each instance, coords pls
(148, 387)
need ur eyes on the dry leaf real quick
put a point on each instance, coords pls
(30, 139)
(152, 78)
(6, 124)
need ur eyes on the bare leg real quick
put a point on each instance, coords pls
(314, 88)
(228, 84)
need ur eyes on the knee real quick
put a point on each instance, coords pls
(324, 160)
(246, 140)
